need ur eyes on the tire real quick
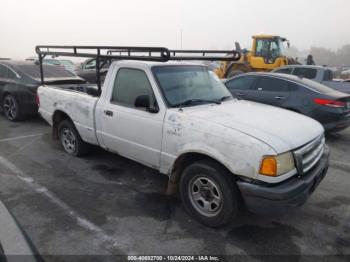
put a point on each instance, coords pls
(209, 193)
(11, 108)
(234, 73)
(70, 139)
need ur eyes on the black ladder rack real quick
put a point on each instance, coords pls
(109, 53)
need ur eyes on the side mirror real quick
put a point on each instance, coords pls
(144, 101)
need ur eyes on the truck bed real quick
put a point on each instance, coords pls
(90, 89)
(76, 101)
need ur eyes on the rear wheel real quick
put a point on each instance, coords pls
(71, 140)
(209, 194)
(11, 108)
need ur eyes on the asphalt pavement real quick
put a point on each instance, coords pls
(104, 204)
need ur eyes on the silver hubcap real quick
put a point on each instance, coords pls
(205, 196)
(10, 108)
(68, 140)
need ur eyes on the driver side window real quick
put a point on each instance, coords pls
(128, 85)
(241, 83)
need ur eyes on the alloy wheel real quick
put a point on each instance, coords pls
(10, 107)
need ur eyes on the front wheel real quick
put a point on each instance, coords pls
(71, 140)
(209, 194)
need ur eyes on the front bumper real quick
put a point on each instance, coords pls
(278, 198)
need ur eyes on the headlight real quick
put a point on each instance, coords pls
(277, 165)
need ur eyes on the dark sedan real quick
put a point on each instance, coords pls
(19, 81)
(331, 108)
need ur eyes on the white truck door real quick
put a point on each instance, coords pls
(129, 130)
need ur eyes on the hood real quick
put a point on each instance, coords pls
(282, 129)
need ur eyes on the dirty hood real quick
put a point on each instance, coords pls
(282, 129)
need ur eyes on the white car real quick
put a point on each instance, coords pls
(180, 119)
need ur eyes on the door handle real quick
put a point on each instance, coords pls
(240, 94)
(108, 112)
(280, 97)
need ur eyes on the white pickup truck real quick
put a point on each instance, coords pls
(220, 152)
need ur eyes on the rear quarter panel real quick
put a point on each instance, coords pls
(78, 106)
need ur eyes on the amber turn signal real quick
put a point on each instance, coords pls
(268, 166)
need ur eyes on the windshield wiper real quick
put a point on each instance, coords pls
(196, 101)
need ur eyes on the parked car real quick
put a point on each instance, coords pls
(328, 106)
(320, 74)
(87, 70)
(47, 61)
(19, 81)
(180, 119)
(68, 65)
(52, 61)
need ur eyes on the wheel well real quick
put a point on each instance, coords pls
(181, 163)
(57, 117)
(3, 96)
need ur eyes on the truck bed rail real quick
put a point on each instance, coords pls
(108, 53)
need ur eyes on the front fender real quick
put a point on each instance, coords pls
(239, 153)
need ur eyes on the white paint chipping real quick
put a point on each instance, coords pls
(81, 221)
(20, 137)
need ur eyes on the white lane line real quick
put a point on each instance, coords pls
(81, 221)
(19, 150)
(20, 137)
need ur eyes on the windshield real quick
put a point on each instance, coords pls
(52, 61)
(66, 62)
(270, 49)
(180, 84)
(317, 86)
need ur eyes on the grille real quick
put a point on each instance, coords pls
(308, 155)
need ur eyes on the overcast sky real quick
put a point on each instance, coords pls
(204, 23)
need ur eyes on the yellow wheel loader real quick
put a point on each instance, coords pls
(267, 53)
